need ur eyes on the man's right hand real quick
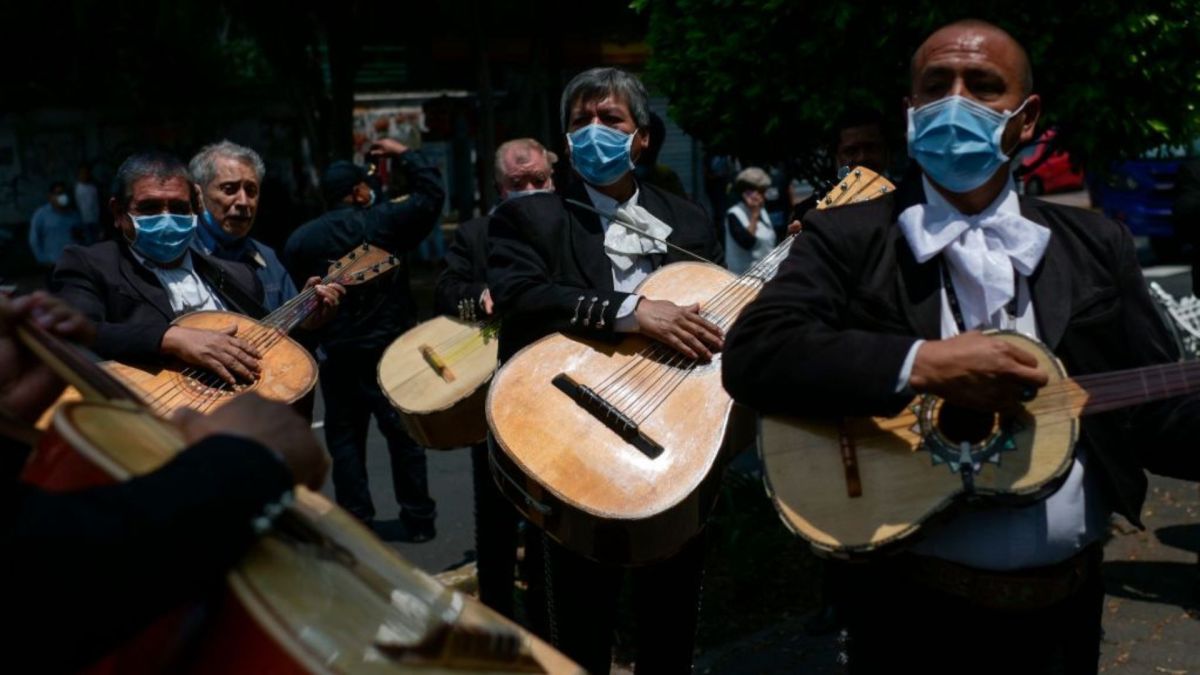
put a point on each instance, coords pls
(269, 423)
(387, 146)
(681, 328)
(220, 351)
(976, 371)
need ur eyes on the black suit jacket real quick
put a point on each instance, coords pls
(546, 254)
(107, 561)
(465, 275)
(128, 303)
(370, 316)
(829, 334)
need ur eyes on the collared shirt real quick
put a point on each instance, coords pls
(1003, 537)
(185, 289)
(628, 280)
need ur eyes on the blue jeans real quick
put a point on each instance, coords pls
(352, 395)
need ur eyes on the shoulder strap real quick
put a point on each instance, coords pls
(231, 292)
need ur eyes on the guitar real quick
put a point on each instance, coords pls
(857, 486)
(317, 594)
(615, 450)
(288, 370)
(436, 376)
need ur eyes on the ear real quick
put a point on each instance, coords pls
(114, 207)
(197, 199)
(1030, 115)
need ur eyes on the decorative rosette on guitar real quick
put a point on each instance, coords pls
(961, 438)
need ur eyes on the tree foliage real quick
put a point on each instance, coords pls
(768, 79)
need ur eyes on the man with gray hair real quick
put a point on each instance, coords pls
(562, 264)
(229, 177)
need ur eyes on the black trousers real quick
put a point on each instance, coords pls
(897, 626)
(352, 395)
(497, 528)
(583, 597)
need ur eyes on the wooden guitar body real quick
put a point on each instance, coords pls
(574, 476)
(436, 376)
(288, 373)
(858, 486)
(317, 594)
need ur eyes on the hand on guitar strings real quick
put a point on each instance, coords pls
(27, 385)
(269, 423)
(222, 352)
(681, 328)
(978, 372)
(328, 295)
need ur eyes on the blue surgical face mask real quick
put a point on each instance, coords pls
(163, 237)
(211, 232)
(600, 154)
(517, 194)
(958, 141)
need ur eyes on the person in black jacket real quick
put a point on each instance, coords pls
(884, 300)
(523, 168)
(134, 285)
(557, 266)
(366, 324)
(86, 570)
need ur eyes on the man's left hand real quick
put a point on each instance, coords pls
(387, 146)
(328, 297)
(27, 385)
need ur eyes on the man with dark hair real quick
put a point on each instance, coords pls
(366, 324)
(885, 300)
(859, 139)
(134, 285)
(54, 226)
(561, 264)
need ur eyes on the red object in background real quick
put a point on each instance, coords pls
(1049, 174)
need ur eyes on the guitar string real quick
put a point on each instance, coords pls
(661, 389)
(262, 336)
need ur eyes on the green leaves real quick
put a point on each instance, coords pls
(767, 80)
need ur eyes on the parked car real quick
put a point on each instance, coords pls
(1045, 170)
(1141, 193)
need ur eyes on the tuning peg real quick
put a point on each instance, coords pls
(366, 246)
(352, 255)
(360, 276)
(338, 264)
(391, 260)
(858, 172)
(375, 268)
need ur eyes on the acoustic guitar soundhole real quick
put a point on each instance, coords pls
(960, 424)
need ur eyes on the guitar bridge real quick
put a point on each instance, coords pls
(608, 414)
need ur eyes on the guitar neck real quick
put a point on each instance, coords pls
(1123, 388)
(293, 312)
(70, 363)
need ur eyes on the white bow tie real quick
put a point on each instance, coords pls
(981, 250)
(623, 244)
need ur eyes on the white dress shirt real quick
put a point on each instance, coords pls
(623, 281)
(185, 289)
(1004, 537)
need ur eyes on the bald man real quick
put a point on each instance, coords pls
(883, 301)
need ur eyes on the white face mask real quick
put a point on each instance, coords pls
(62, 200)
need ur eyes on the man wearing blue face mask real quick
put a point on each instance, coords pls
(559, 263)
(887, 299)
(135, 284)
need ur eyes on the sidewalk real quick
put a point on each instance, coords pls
(1151, 623)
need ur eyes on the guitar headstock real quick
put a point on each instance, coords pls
(362, 264)
(860, 184)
